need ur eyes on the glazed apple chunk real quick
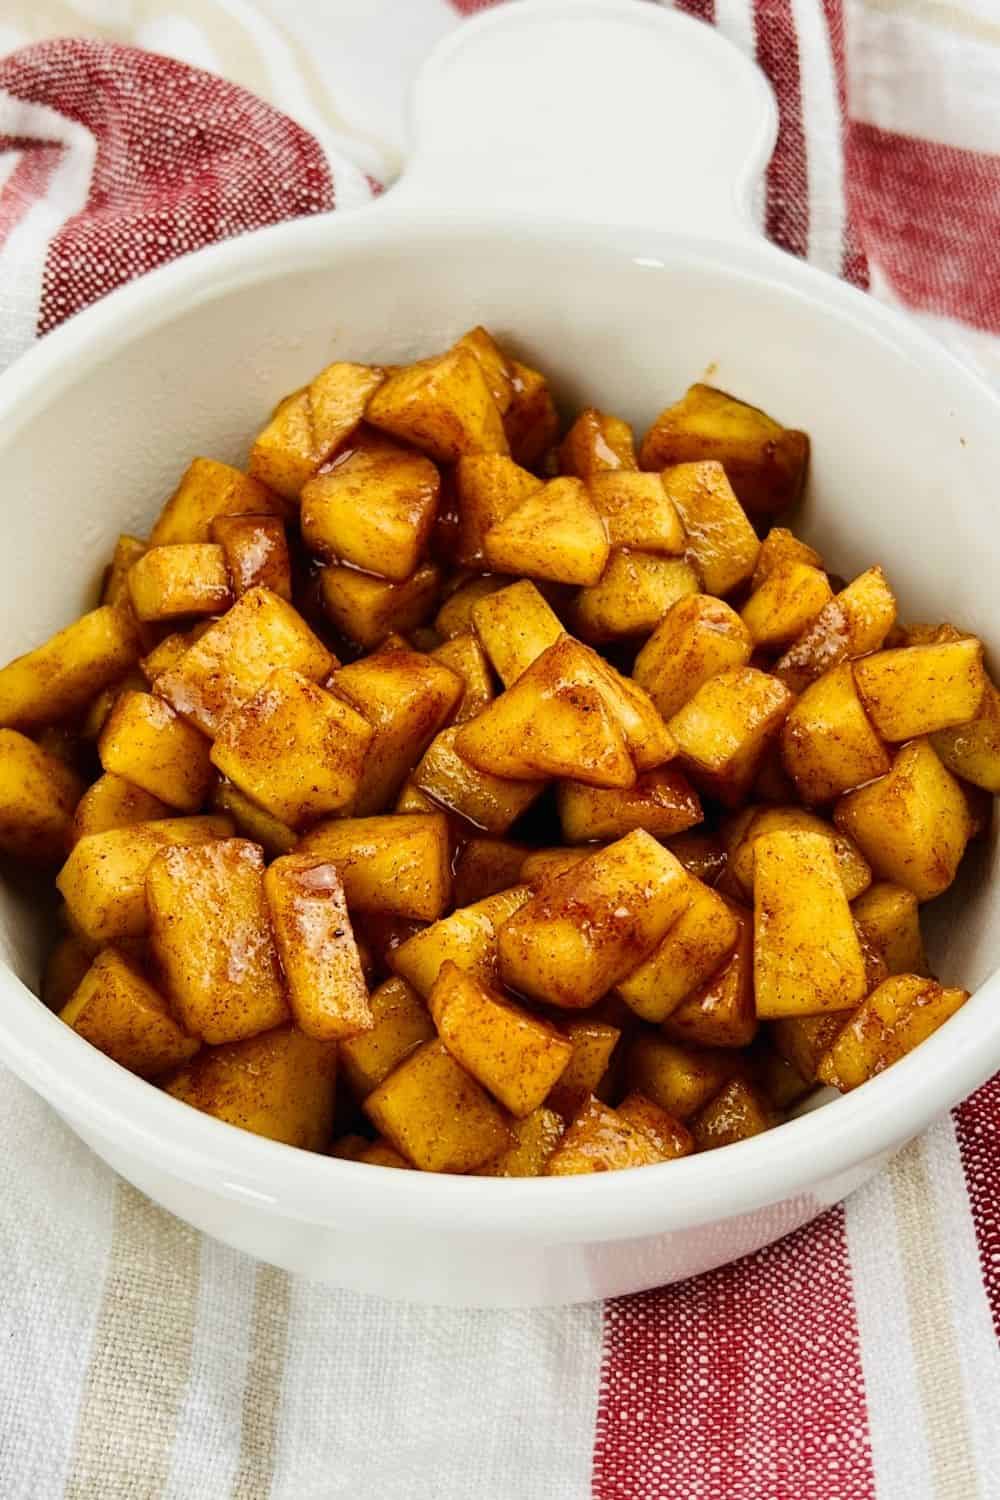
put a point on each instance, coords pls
(464, 787)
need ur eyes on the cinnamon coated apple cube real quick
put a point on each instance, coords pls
(184, 578)
(516, 1056)
(256, 552)
(489, 487)
(533, 1141)
(737, 1112)
(489, 802)
(916, 690)
(210, 934)
(150, 745)
(464, 656)
(373, 507)
(802, 1040)
(406, 696)
(495, 365)
(698, 637)
(103, 882)
(856, 621)
(680, 1079)
(128, 550)
(720, 538)
(436, 1115)
(807, 957)
(755, 822)
(515, 626)
(911, 825)
(687, 956)
(554, 533)
(782, 546)
(972, 750)
(555, 721)
(828, 743)
(307, 426)
(236, 656)
(636, 510)
(888, 915)
(294, 748)
(895, 1018)
(593, 1043)
(38, 796)
(787, 603)
(468, 937)
(118, 1011)
(632, 596)
(724, 730)
(316, 948)
(367, 609)
(280, 1085)
(531, 422)
(208, 489)
(60, 677)
(400, 1023)
(443, 406)
(596, 442)
(670, 1137)
(721, 1013)
(398, 864)
(486, 866)
(542, 864)
(765, 462)
(455, 615)
(600, 1140)
(586, 930)
(662, 802)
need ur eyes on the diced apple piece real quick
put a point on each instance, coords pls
(634, 593)
(852, 867)
(889, 918)
(400, 1023)
(150, 745)
(38, 795)
(636, 510)
(679, 1079)
(599, 1140)
(912, 825)
(252, 822)
(436, 1115)
(492, 803)
(662, 802)
(405, 696)
(721, 1013)
(698, 637)
(593, 1044)
(585, 931)
(765, 462)
(515, 626)
(210, 934)
(689, 954)
(807, 957)
(388, 864)
(516, 1056)
(856, 621)
(531, 422)
(118, 1011)
(236, 656)
(972, 750)
(895, 1018)
(802, 1040)
(735, 1114)
(309, 425)
(65, 966)
(554, 533)
(367, 609)
(60, 677)
(373, 507)
(720, 539)
(481, 344)
(312, 930)
(185, 578)
(786, 604)
(725, 729)
(828, 744)
(468, 937)
(490, 486)
(209, 489)
(670, 1137)
(256, 552)
(782, 546)
(280, 1085)
(916, 690)
(533, 1141)
(596, 442)
(486, 866)
(443, 406)
(464, 656)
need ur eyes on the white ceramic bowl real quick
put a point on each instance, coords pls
(568, 153)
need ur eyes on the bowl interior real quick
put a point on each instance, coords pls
(905, 446)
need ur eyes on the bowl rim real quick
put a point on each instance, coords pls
(100, 1097)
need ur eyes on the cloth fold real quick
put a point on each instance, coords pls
(858, 1358)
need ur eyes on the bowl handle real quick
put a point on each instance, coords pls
(593, 111)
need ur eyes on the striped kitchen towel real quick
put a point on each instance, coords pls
(859, 1358)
